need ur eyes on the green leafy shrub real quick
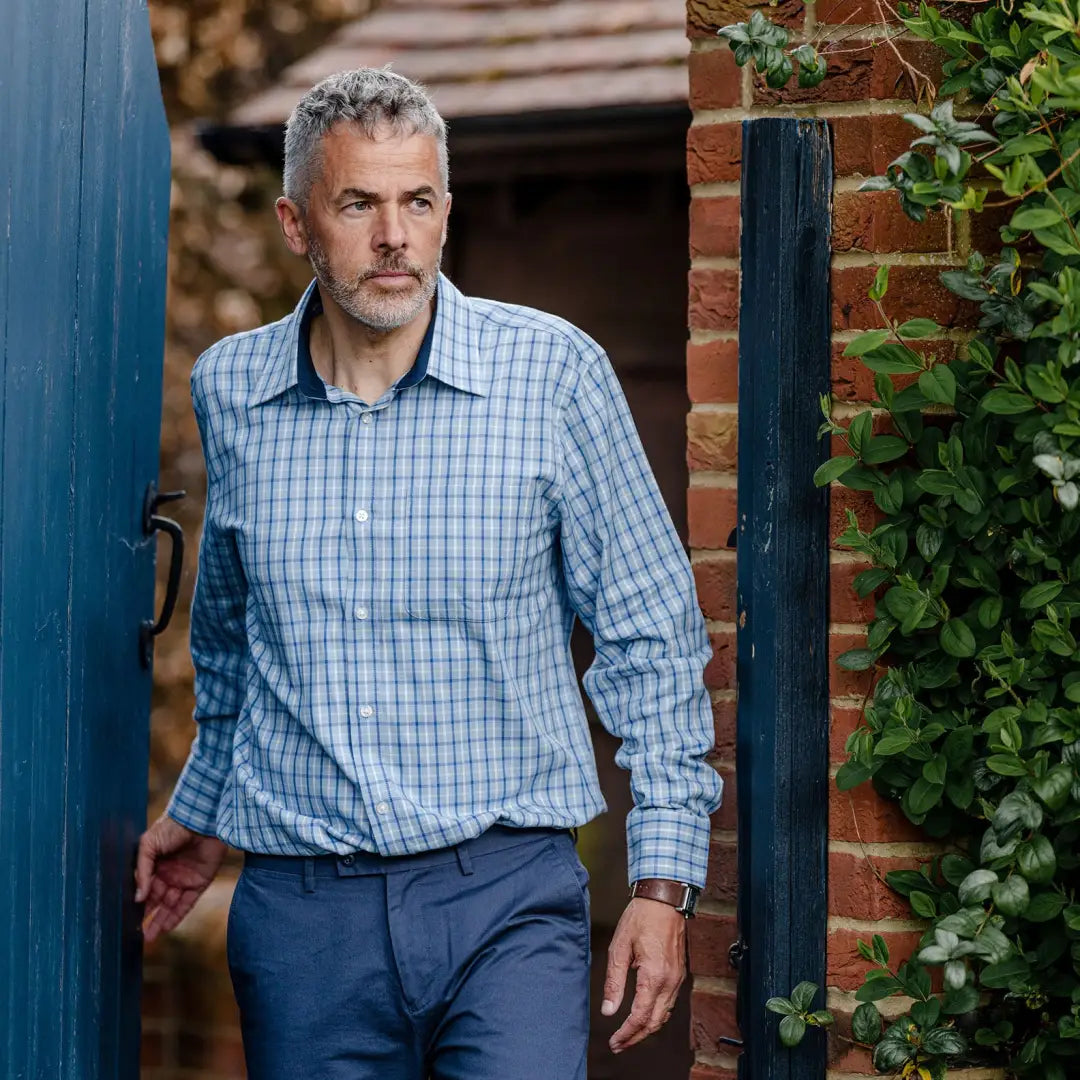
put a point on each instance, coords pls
(973, 463)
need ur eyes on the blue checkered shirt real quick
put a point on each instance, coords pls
(382, 614)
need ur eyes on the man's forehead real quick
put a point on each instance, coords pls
(347, 148)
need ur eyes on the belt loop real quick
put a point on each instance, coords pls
(573, 833)
(464, 859)
(309, 874)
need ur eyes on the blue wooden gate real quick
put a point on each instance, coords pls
(84, 197)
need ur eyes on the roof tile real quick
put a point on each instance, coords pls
(504, 57)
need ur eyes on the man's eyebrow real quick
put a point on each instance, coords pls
(357, 193)
(425, 189)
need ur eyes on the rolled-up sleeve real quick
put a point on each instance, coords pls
(218, 652)
(630, 582)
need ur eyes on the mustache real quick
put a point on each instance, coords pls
(393, 266)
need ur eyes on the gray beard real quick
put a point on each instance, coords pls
(379, 313)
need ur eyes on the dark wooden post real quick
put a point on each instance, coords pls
(783, 568)
(84, 204)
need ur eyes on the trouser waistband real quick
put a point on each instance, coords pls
(357, 863)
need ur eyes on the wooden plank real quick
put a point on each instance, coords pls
(43, 120)
(85, 206)
(118, 403)
(783, 676)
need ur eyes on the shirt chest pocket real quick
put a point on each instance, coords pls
(475, 551)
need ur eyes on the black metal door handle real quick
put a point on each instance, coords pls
(152, 523)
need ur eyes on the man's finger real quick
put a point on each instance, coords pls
(144, 869)
(665, 1004)
(636, 1026)
(615, 983)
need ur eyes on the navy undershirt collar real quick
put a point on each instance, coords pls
(308, 378)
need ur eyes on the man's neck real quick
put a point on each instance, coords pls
(356, 358)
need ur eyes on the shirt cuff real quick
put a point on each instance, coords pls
(195, 799)
(667, 843)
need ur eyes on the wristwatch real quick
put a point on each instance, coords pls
(682, 897)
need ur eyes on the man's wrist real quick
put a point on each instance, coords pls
(678, 894)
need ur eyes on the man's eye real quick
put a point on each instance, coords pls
(359, 205)
(420, 201)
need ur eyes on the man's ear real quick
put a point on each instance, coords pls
(446, 217)
(291, 219)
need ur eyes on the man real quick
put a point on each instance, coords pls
(411, 495)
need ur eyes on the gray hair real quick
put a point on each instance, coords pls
(369, 97)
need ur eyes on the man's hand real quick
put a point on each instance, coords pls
(650, 937)
(173, 868)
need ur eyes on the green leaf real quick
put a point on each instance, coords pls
(894, 742)
(881, 283)
(1011, 896)
(957, 639)
(1035, 859)
(792, 1029)
(1003, 974)
(877, 989)
(1042, 387)
(1006, 402)
(1040, 595)
(957, 747)
(1045, 906)
(928, 540)
(922, 797)
(890, 1054)
(962, 1000)
(884, 448)
(859, 430)
(869, 580)
(856, 660)
(851, 774)
(938, 385)
(802, 997)
(1006, 765)
(990, 612)
(866, 1024)
(1034, 217)
(954, 868)
(832, 470)
(923, 905)
(964, 285)
(780, 1005)
(893, 360)
(975, 888)
(917, 328)
(881, 949)
(1053, 788)
(944, 1041)
(935, 769)
(867, 342)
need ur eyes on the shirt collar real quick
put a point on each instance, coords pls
(450, 348)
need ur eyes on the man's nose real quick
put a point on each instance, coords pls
(390, 233)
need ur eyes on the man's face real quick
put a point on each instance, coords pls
(376, 224)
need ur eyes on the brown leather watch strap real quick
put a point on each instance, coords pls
(667, 892)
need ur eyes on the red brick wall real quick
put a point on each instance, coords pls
(864, 97)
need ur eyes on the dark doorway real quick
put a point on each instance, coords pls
(605, 249)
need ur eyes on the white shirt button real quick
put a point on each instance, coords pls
(361, 612)
(383, 808)
(361, 515)
(366, 418)
(366, 710)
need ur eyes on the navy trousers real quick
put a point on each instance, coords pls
(466, 963)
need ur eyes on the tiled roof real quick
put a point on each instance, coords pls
(505, 57)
